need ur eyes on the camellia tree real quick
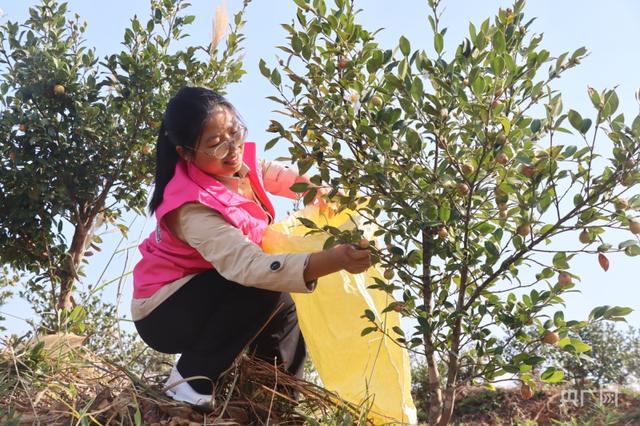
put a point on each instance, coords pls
(78, 133)
(457, 160)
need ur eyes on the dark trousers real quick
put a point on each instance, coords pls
(210, 320)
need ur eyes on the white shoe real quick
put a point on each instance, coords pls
(184, 392)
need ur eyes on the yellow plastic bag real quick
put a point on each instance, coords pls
(355, 367)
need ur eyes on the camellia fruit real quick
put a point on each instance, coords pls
(501, 139)
(621, 204)
(389, 274)
(551, 338)
(58, 90)
(363, 243)
(443, 233)
(585, 237)
(467, 168)
(526, 392)
(523, 230)
(147, 149)
(376, 101)
(23, 127)
(528, 171)
(634, 226)
(463, 188)
(444, 113)
(342, 63)
(564, 279)
(398, 307)
(503, 207)
(502, 158)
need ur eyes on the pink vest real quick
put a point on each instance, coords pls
(165, 258)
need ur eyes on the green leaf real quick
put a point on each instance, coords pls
(535, 125)
(618, 311)
(560, 260)
(264, 70)
(444, 212)
(368, 314)
(598, 312)
(299, 187)
(308, 223)
(627, 243)
(632, 251)
(575, 119)
(498, 41)
(552, 375)
(405, 46)
(368, 330)
(579, 346)
(414, 141)
(438, 43)
(275, 77)
(309, 196)
(586, 125)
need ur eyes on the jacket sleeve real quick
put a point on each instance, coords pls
(236, 257)
(279, 177)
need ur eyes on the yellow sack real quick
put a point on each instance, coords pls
(355, 367)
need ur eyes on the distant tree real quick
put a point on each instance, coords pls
(613, 356)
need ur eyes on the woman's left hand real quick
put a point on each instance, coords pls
(324, 205)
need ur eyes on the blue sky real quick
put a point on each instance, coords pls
(609, 30)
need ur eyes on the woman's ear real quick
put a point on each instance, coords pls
(183, 153)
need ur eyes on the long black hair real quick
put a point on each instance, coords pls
(182, 125)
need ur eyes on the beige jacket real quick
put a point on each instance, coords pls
(235, 257)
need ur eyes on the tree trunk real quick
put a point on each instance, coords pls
(433, 379)
(71, 264)
(454, 355)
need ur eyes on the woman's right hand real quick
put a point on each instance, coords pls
(354, 260)
(342, 256)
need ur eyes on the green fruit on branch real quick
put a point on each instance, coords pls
(585, 237)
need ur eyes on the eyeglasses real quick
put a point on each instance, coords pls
(221, 150)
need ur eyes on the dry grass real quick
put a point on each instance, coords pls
(77, 387)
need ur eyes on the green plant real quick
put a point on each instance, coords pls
(417, 137)
(77, 134)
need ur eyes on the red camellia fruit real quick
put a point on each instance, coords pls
(564, 279)
(463, 189)
(528, 171)
(634, 226)
(523, 230)
(502, 158)
(526, 392)
(551, 338)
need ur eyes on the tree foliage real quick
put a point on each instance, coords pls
(78, 133)
(457, 155)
